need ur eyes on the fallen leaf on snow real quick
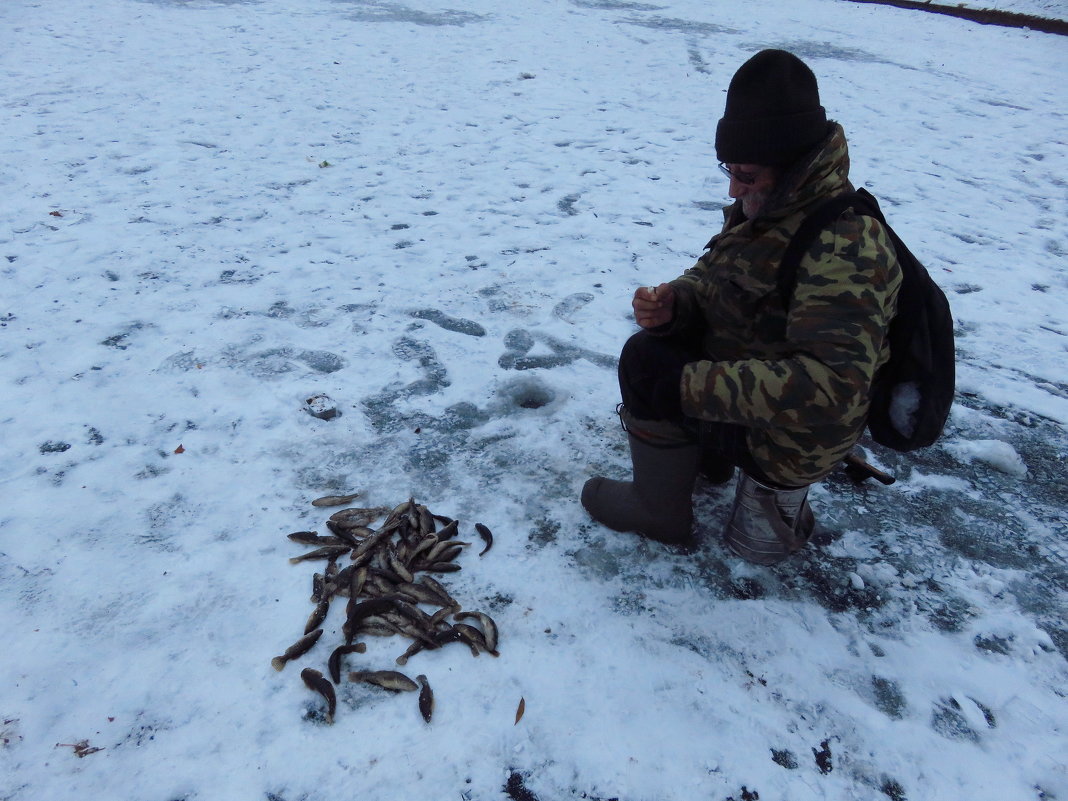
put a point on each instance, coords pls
(81, 748)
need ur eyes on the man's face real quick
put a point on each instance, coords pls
(751, 184)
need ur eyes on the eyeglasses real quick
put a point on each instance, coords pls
(747, 178)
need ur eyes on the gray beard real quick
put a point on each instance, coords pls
(753, 204)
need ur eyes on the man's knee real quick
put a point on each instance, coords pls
(650, 370)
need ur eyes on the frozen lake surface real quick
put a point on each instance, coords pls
(424, 223)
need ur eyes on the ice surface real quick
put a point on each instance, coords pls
(221, 216)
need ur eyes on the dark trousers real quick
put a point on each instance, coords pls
(649, 371)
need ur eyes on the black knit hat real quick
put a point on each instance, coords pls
(773, 112)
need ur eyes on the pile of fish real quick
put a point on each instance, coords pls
(383, 573)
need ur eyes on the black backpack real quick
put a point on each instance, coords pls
(913, 391)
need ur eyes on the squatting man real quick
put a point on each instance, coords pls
(727, 373)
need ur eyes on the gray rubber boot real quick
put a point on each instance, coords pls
(658, 502)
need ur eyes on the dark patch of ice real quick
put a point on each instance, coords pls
(120, 341)
(676, 25)
(461, 416)
(373, 11)
(784, 758)
(615, 5)
(947, 720)
(543, 531)
(569, 306)
(805, 50)
(515, 787)
(893, 790)
(697, 61)
(888, 697)
(566, 205)
(322, 361)
(449, 323)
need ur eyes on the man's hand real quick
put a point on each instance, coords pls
(654, 306)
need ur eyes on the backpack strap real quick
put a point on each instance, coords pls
(819, 219)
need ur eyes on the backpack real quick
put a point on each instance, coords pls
(912, 393)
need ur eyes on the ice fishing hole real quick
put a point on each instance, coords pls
(527, 394)
(533, 397)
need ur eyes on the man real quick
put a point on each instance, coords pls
(726, 371)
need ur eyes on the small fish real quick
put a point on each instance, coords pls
(407, 627)
(343, 576)
(334, 663)
(335, 500)
(326, 552)
(472, 636)
(361, 516)
(369, 545)
(381, 569)
(441, 614)
(413, 514)
(378, 585)
(318, 616)
(414, 614)
(343, 534)
(359, 577)
(311, 538)
(489, 628)
(317, 587)
(297, 649)
(419, 593)
(315, 682)
(389, 679)
(357, 611)
(413, 649)
(436, 587)
(426, 698)
(425, 544)
(433, 554)
(400, 510)
(330, 589)
(486, 535)
(403, 572)
(441, 567)
(451, 552)
(449, 531)
(426, 521)
(373, 628)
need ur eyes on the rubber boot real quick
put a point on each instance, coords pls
(767, 524)
(657, 503)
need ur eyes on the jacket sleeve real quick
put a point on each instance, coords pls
(688, 319)
(836, 324)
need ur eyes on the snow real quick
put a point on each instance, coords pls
(219, 217)
(995, 453)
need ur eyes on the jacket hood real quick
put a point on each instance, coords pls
(819, 174)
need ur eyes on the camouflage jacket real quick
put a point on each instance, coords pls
(799, 378)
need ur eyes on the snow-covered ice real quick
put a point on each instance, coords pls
(219, 217)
